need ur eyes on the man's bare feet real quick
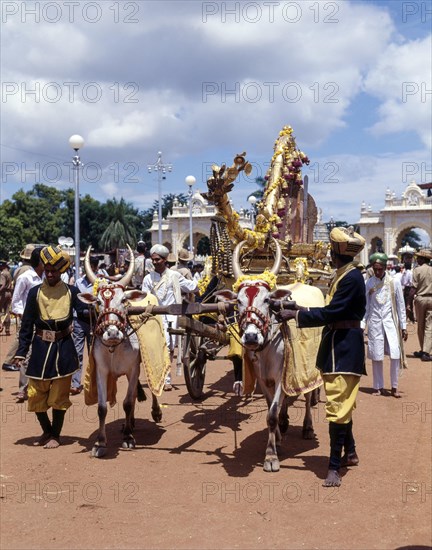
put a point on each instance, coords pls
(378, 392)
(333, 479)
(52, 443)
(350, 459)
(44, 438)
(395, 393)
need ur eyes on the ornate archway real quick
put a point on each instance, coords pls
(412, 210)
(176, 229)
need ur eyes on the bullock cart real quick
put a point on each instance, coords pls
(201, 341)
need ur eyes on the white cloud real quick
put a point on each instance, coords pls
(167, 56)
(402, 80)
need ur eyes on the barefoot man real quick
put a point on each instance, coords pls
(341, 355)
(46, 326)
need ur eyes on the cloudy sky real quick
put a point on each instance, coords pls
(203, 81)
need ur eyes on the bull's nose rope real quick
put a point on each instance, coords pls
(102, 324)
(261, 322)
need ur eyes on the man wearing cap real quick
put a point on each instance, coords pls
(27, 280)
(422, 293)
(25, 256)
(341, 356)
(46, 326)
(167, 285)
(386, 321)
(183, 257)
(29, 276)
(5, 296)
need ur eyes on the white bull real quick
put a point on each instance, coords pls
(115, 352)
(264, 341)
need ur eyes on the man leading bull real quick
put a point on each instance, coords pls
(341, 355)
(46, 326)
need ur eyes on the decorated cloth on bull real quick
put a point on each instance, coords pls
(154, 351)
(300, 374)
(90, 384)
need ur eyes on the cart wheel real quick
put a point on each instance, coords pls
(194, 363)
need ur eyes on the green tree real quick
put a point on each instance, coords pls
(412, 238)
(121, 229)
(39, 211)
(11, 241)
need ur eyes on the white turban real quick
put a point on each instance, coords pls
(160, 250)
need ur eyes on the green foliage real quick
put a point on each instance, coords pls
(413, 239)
(122, 227)
(203, 247)
(44, 214)
(11, 242)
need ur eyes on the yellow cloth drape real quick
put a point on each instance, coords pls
(154, 356)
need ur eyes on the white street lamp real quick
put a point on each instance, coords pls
(252, 200)
(190, 181)
(161, 169)
(76, 142)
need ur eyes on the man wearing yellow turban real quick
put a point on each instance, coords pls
(341, 355)
(46, 326)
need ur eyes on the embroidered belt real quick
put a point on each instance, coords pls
(53, 335)
(344, 324)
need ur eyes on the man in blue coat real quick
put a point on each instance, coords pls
(341, 355)
(47, 326)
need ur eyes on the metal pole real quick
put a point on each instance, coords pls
(160, 206)
(76, 164)
(191, 250)
(161, 170)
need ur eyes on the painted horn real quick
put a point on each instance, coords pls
(236, 260)
(91, 276)
(278, 260)
(126, 279)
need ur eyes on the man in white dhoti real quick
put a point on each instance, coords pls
(386, 321)
(168, 286)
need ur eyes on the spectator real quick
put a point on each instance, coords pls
(5, 296)
(386, 321)
(82, 331)
(167, 285)
(421, 292)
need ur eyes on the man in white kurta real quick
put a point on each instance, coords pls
(386, 321)
(168, 286)
(27, 280)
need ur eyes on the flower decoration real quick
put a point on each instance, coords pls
(268, 277)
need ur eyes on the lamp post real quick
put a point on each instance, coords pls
(76, 142)
(161, 169)
(252, 200)
(190, 181)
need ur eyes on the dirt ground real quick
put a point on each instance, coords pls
(196, 480)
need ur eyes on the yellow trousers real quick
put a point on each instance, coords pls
(43, 394)
(341, 392)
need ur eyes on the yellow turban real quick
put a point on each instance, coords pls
(346, 242)
(56, 257)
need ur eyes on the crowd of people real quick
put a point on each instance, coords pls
(54, 326)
